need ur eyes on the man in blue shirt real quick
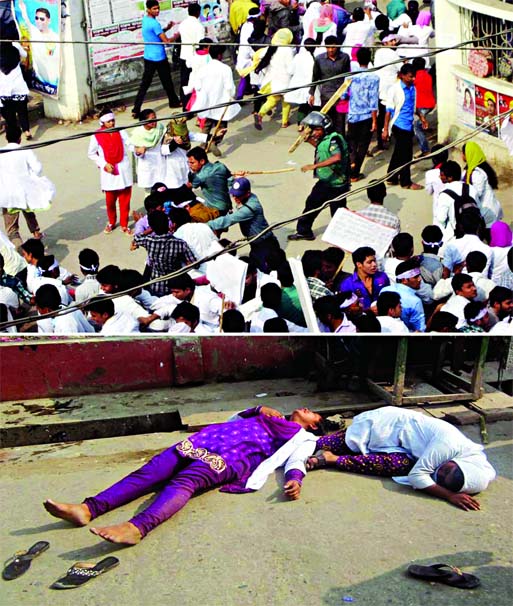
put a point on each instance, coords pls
(401, 108)
(366, 282)
(155, 59)
(408, 281)
(363, 112)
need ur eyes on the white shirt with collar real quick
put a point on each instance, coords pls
(392, 325)
(456, 306)
(120, 324)
(191, 32)
(67, 324)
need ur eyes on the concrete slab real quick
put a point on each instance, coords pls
(348, 536)
(49, 420)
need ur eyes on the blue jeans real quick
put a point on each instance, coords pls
(420, 133)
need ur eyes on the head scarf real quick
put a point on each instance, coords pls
(424, 18)
(475, 156)
(501, 234)
(142, 137)
(282, 36)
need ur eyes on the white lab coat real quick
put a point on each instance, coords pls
(22, 185)
(214, 84)
(110, 182)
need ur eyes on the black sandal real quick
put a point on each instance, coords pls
(21, 561)
(450, 576)
(316, 461)
(81, 572)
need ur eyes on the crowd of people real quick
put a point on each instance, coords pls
(458, 279)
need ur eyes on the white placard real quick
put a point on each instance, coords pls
(349, 230)
(304, 295)
(227, 274)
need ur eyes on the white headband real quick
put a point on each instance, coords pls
(107, 117)
(348, 302)
(411, 273)
(92, 268)
(480, 315)
(181, 204)
(432, 244)
(54, 265)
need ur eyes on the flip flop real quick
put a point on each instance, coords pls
(21, 560)
(81, 572)
(450, 576)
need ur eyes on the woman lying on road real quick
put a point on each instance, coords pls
(237, 455)
(429, 453)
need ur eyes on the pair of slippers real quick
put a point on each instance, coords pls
(443, 573)
(77, 575)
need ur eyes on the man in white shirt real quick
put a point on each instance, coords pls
(464, 291)
(389, 313)
(190, 32)
(102, 313)
(476, 264)
(443, 462)
(48, 300)
(457, 250)
(443, 208)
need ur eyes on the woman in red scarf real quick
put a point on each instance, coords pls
(109, 150)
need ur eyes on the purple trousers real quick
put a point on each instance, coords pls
(372, 464)
(178, 479)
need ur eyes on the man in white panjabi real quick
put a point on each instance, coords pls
(415, 449)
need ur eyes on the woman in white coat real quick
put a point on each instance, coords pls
(278, 58)
(110, 151)
(145, 142)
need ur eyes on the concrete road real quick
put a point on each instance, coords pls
(349, 538)
(77, 217)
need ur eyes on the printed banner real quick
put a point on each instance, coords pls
(465, 102)
(39, 25)
(486, 110)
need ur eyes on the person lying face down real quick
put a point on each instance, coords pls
(237, 455)
(426, 453)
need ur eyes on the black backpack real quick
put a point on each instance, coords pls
(461, 202)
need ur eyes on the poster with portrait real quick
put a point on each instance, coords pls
(214, 16)
(465, 102)
(486, 110)
(506, 124)
(39, 25)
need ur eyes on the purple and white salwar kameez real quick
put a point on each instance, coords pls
(225, 454)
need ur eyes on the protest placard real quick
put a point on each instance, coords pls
(227, 274)
(349, 230)
(304, 295)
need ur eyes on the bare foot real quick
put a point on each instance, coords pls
(77, 514)
(125, 533)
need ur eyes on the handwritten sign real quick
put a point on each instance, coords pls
(349, 230)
